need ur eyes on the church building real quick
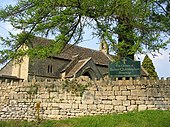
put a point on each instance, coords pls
(73, 62)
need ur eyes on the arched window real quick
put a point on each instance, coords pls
(50, 69)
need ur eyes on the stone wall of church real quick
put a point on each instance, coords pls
(18, 69)
(7, 69)
(42, 68)
(59, 99)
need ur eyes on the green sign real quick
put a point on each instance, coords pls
(126, 67)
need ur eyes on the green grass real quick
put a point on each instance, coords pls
(131, 119)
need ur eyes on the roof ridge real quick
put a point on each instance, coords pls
(75, 49)
(69, 44)
(84, 63)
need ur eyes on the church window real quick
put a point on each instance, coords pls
(50, 69)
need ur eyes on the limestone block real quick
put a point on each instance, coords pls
(158, 102)
(118, 93)
(140, 102)
(17, 89)
(3, 116)
(143, 98)
(159, 99)
(100, 106)
(151, 107)
(149, 102)
(63, 112)
(110, 93)
(54, 112)
(92, 107)
(121, 97)
(132, 107)
(13, 102)
(110, 107)
(152, 92)
(55, 105)
(69, 96)
(132, 87)
(70, 114)
(15, 96)
(22, 89)
(123, 88)
(167, 99)
(109, 88)
(78, 98)
(5, 109)
(80, 114)
(47, 112)
(98, 93)
(132, 97)
(65, 106)
(142, 107)
(132, 102)
(83, 106)
(140, 93)
(75, 106)
(45, 96)
(138, 87)
(107, 102)
(88, 101)
(116, 88)
(120, 108)
(57, 117)
(98, 100)
(151, 99)
(112, 97)
(117, 102)
(124, 93)
(126, 103)
(134, 92)
(103, 97)
(167, 106)
(105, 93)
(88, 97)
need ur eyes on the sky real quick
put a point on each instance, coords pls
(161, 62)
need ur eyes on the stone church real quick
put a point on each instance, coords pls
(73, 62)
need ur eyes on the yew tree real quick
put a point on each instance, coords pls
(128, 26)
(149, 67)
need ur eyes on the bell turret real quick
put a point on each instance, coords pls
(104, 46)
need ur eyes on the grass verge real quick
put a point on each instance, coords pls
(132, 119)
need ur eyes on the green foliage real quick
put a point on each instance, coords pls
(149, 67)
(33, 89)
(75, 87)
(136, 24)
(132, 119)
(50, 88)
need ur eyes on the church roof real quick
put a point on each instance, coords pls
(69, 51)
(98, 56)
(76, 68)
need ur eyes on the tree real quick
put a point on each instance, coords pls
(137, 25)
(149, 67)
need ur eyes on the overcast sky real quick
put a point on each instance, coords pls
(161, 62)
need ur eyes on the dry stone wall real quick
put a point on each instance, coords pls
(58, 101)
